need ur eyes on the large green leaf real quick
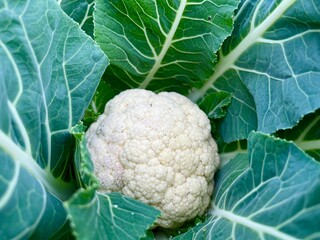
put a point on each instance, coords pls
(270, 193)
(48, 73)
(81, 11)
(271, 65)
(161, 45)
(109, 216)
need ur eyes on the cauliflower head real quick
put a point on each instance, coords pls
(156, 148)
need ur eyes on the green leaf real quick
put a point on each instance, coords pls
(161, 45)
(80, 11)
(109, 216)
(273, 54)
(228, 151)
(270, 193)
(103, 94)
(83, 164)
(49, 70)
(149, 236)
(64, 233)
(306, 134)
(214, 104)
(25, 206)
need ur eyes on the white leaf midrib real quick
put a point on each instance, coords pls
(258, 227)
(21, 158)
(5, 197)
(166, 45)
(41, 85)
(86, 16)
(228, 61)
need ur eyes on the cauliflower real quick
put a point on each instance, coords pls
(156, 148)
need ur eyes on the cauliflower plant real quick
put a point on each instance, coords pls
(156, 148)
